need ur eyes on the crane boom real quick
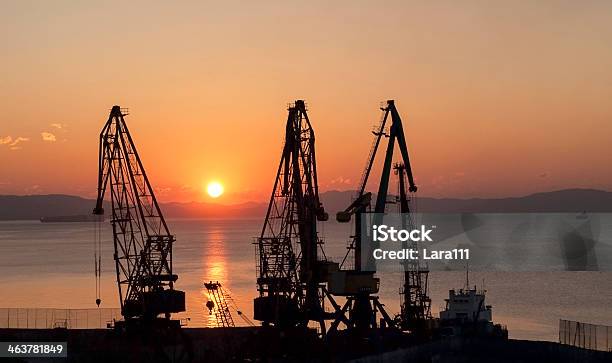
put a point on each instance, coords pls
(396, 133)
(142, 240)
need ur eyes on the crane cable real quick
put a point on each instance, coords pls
(233, 305)
(97, 258)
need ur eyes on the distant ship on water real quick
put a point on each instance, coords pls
(73, 218)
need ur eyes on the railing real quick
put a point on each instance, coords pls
(585, 335)
(41, 318)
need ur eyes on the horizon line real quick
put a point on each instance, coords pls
(328, 191)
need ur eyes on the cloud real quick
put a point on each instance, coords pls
(13, 144)
(33, 189)
(340, 181)
(19, 140)
(47, 136)
(59, 132)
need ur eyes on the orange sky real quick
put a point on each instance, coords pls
(497, 99)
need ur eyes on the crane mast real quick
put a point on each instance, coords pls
(415, 304)
(291, 274)
(359, 284)
(141, 238)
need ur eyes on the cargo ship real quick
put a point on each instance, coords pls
(73, 218)
(467, 314)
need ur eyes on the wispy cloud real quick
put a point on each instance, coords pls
(59, 133)
(13, 144)
(47, 136)
(340, 181)
(33, 189)
(19, 140)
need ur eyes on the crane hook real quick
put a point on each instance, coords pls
(210, 305)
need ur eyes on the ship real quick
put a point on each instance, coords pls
(73, 218)
(467, 314)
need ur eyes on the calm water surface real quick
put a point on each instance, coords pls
(51, 266)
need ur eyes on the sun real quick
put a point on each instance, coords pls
(214, 189)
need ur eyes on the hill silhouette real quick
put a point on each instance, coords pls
(13, 207)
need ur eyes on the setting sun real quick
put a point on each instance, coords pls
(214, 189)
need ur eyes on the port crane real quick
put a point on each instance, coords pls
(359, 284)
(141, 238)
(291, 271)
(415, 303)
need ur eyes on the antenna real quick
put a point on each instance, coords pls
(467, 275)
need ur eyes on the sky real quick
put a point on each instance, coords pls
(497, 98)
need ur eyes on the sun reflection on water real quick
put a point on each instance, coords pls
(214, 269)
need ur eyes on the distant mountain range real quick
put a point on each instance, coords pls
(561, 201)
(14, 207)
